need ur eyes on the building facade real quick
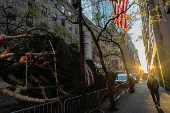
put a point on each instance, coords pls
(156, 38)
(131, 56)
(26, 15)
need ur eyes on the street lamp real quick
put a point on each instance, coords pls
(84, 101)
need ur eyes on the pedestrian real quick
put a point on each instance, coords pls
(153, 86)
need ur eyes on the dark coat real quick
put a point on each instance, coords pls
(153, 84)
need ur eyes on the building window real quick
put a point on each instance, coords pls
(168, 12)
(31, 2)
(63, 22)
(43, 26)
(84, 27)
(76, 31)
(54, 17)
(29, 21)
(70, 27)
(12, 13)
(62, 9)
(6, 31)
(54, 2)
(69, 13)
(44, 10)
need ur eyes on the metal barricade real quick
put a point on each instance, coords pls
(92, 100)
(95, 100)
(50, 107)
(121, 89)
(72, 105)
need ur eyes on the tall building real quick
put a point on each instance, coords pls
(87, 8)
(156, 38)
(23, 16)
(131, 56)
(98, 6)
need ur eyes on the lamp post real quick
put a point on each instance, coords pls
(84, 101)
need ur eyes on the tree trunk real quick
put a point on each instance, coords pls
(112, 102)
(6, 55)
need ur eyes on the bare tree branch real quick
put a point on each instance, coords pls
(112, 19)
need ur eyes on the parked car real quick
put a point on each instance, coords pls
(121, 78)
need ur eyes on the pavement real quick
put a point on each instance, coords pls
(141, 101)
(6, 104)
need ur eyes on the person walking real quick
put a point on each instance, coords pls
(153, 86)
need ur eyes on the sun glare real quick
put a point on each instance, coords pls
(151, 67)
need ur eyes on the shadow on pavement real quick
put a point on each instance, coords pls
(159, 109)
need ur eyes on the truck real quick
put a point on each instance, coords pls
(121, 78)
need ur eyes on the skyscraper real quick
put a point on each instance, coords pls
(104, 8)
(87, 8)
(92, 7)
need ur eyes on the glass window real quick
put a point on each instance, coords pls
(122, 77)
(63, 22)
(62, 9)
(12, 13)
(31, 2)
(44, 10)
(54, 2)
(76, 31)
(54, 17)
(6, 32)
(43, 26)
(29, 21)
(168, 12)
(69, 13)
(70, 27)
(85, 27)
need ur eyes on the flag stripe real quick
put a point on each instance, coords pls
(120, 6)
(122, 15)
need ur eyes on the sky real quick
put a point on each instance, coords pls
(137, 31)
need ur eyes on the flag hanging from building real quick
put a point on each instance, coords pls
(110, 0)
(119, 7)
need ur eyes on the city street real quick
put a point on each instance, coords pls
(141, 101)
(76, 56)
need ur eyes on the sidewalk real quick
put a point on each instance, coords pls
(141, 101)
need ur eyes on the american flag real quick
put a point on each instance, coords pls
(110, 0)
(120, 6)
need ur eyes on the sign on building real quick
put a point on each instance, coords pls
(87, 45)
